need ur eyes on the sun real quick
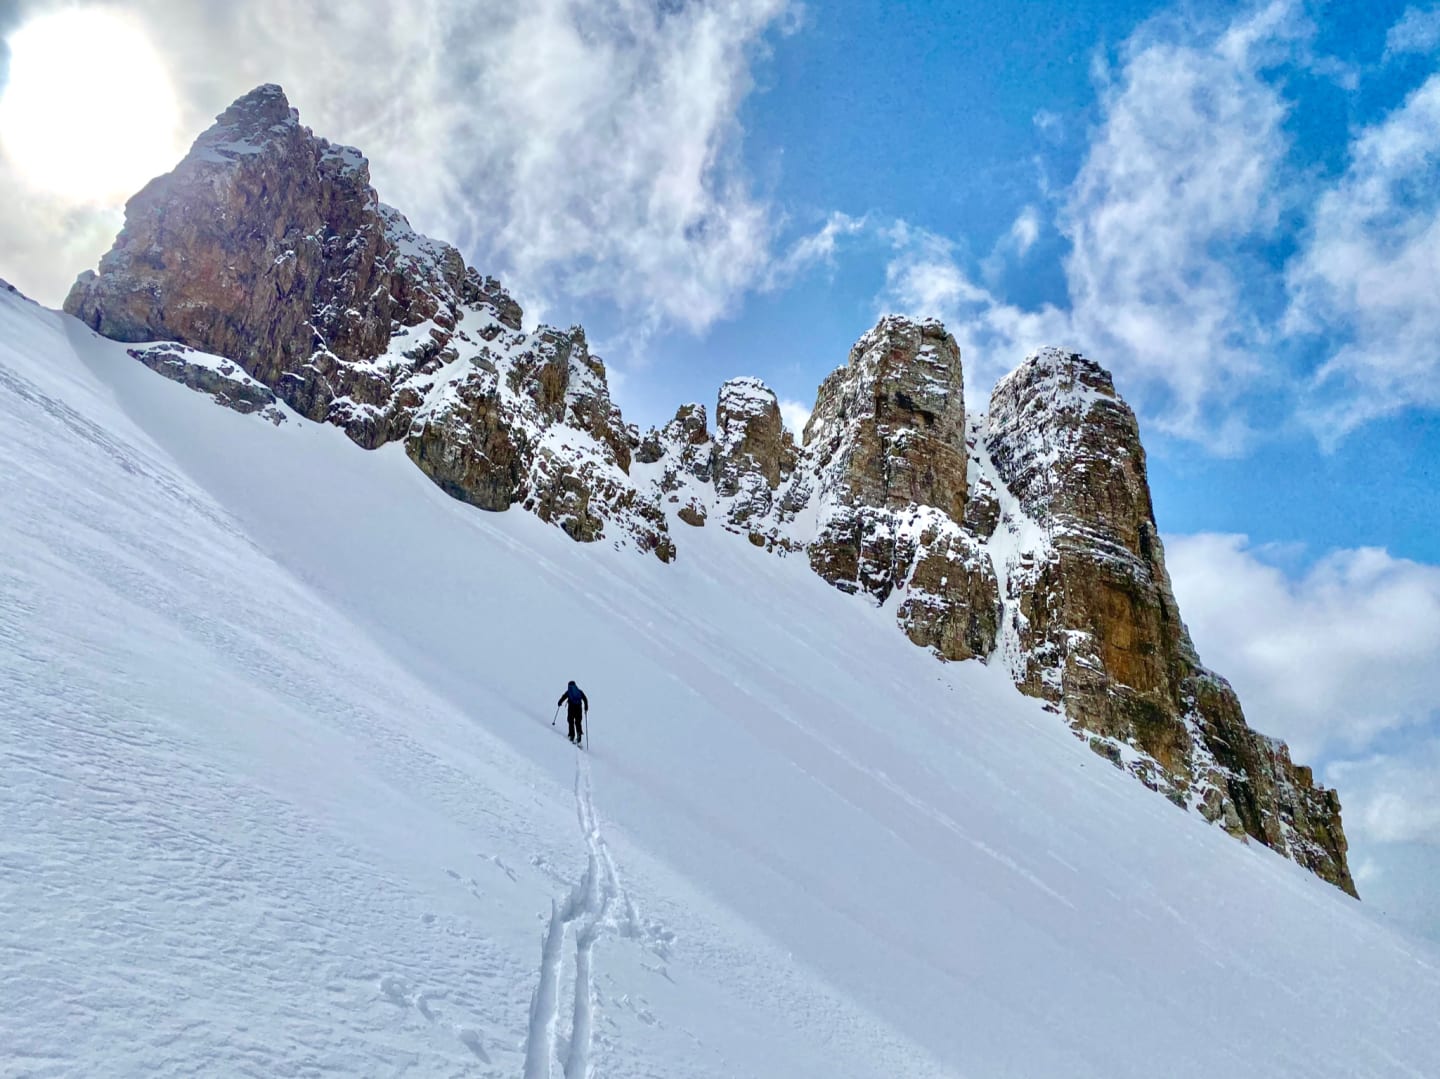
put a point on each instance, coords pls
(89, 113)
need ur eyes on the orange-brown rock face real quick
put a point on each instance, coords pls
(1096, 626)
(267, 246)
(951, 599)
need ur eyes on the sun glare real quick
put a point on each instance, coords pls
(89, 114)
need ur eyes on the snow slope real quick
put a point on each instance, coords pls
(281, 796)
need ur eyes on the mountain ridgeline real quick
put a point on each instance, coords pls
(265, 269)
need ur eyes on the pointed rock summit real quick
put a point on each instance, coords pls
(267, 246)
(265, 269)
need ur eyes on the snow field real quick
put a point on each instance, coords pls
(281, 798)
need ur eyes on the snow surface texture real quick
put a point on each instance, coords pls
(281, 797)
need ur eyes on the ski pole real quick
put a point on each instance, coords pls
(587, 731)
(555, 716)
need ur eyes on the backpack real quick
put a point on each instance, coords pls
(574, 694)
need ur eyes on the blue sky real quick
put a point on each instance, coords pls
(956, 119)
(1231, 205)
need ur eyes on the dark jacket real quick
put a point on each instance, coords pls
(576, 696)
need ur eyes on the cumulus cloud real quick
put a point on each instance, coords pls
(1342, 660)
(1365, 278)
(1394, 800)
(582, 149)
(1331, 660)
(1418, 31)
(1179, 179)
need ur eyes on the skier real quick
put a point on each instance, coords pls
(576, 698)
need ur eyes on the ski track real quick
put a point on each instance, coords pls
(273, 807)
(596, 903)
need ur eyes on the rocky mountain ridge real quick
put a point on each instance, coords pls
(265, 269)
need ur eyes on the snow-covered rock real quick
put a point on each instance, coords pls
(267, 246)
(1092, 622)
(752, 451)
(884, 442)
(281, 797)
(888, 428)
(1025, 537)
(222, 379)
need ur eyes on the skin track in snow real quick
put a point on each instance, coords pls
(280, 799)
(589, 908)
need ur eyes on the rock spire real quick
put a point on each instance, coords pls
(265, 271)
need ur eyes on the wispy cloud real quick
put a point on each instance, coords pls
(815, 249)
(1048, 121)
(1179, 177)
(1418, 31)
(1173, 220)
(582, 149)
(1012, 246)
(1366, 277)
(1024, 231)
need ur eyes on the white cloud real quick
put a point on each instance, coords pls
(818, 248)
(1366, 275)
(1407, 807)
(583, 149)
(1418, 31)
(1392, 819)
(1025, 230)
(1047, 121)
(924, 279)
(795, 415)
(1180, 176)
(45, 242)
(1330, 660)
(1012, 246)
(1341, 660)
(1185, 176)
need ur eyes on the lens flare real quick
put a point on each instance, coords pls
(89, 114)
